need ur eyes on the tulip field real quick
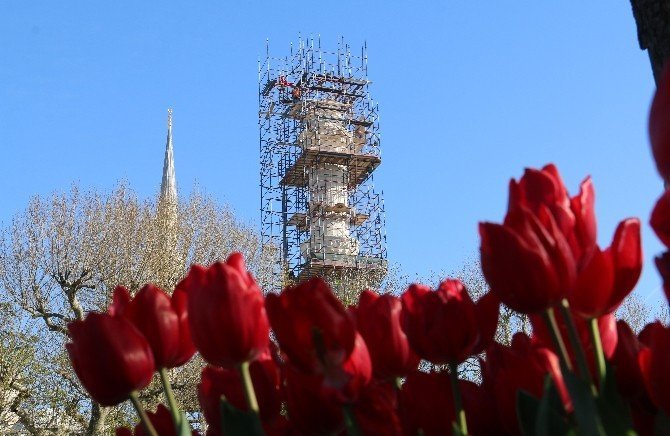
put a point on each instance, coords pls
(301, 363)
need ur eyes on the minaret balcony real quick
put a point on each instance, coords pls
(359, 166)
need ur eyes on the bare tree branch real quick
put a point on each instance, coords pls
(63, 256)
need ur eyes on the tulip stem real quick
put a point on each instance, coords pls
(247, 384)
(458, 404)
(598, 350)
(575, 342)
(174, 409)
(550, 320)
(146, 422)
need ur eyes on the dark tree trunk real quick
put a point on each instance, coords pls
(653, 31)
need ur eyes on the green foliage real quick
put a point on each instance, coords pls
(236, 422)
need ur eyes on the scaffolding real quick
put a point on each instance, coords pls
(319, 147)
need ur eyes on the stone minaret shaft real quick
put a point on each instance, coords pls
(169, 182)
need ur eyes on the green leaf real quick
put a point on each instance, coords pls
(237, 422)
(586, 411)
(551, 419)
(614, 412)
(527, 407)
(662, 424)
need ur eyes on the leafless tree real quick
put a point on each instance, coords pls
(63, 256)
(634, 312)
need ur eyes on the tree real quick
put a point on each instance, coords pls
(17, 351)
(63, 256)
(637, 313)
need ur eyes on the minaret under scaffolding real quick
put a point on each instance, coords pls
(319, 145)
(168, 193)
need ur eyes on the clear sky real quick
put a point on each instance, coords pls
(470, 93)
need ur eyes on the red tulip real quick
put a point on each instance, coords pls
(539, 189)
(663, 266)
(346, 382)
(649, 331)
(378, 321)
(230, 325)
(593, 293)
(542, 191)
(660, 218)
(312, 409)
(609, 276)
(426, 404)
(529, 265)
(356, 373)
(583, 239)
(110, 357)
(444, 326)
(624, 360)
(644, 422)
(659, 128)
(626, 251)
(376, 410)
(481, 409)
(655, 367)
(531, 261)
(162, 320)
(313, 328)
(161, 420)
(216, 382)
(487, 309)
(521, 366)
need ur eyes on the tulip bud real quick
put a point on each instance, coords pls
(110, 356)
(655, 367)
(426, 403)
(229, 325)
(162, 320)
(444, 326)
(313, 328)
(311, 407)
(660, 218)
(626, 367)
(217, 383)
(376, 410)
(378, 321)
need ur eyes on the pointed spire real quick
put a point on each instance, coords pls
(169, 182)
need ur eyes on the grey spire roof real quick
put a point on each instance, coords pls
(169, 182)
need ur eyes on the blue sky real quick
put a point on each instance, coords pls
(470, 93)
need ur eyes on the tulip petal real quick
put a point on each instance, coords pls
(520, 275)
(120, 301)
(593, 292)
(627, 255)
(660, 218)
(583, 241)
(488, 311)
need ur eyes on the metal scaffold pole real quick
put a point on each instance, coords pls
(319, 147)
